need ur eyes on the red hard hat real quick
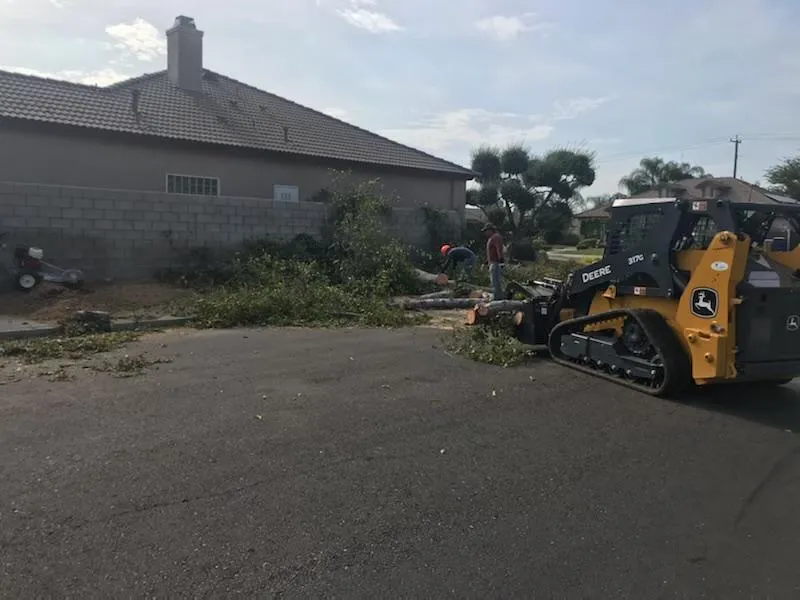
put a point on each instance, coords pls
(444, 249)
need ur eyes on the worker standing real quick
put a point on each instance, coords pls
(495, 259)
(460, 259)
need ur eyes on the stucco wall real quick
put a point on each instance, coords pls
(37, 154)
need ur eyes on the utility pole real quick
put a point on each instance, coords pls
(736, 140)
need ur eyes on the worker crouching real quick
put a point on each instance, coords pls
(459, 260)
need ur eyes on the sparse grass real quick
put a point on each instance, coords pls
(595, 252)
(73, 348)
(130, 366)
(527, 271)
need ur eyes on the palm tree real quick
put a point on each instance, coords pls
(656, 173)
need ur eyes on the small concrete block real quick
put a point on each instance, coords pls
(124, 205)
(25, 211)
(82, 203)
(103, 204)
(14, 222)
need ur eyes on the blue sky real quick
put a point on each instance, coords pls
(620, 77)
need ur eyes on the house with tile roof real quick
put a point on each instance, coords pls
(708, 188)
(122, 180)
(191, 131)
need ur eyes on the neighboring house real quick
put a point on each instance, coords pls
(189, 130)
(717, 187)
(593, 222)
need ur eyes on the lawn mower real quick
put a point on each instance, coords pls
(28, 270)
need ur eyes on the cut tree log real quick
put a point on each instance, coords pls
(438, 303)
(499, 306)
(482, 312)
(437, 295)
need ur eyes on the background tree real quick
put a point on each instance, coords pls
(515, 187)
(552, 221)
(603, 200)
(656, 173)
(785, 177)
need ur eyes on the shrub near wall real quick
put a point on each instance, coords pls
(361, 267)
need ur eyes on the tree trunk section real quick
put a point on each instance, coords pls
(491, 309)
(484, 312)
(439, 303)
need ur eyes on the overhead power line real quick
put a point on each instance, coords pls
(763, 137)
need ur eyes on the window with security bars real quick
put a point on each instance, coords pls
(633, 232)
(195, 186)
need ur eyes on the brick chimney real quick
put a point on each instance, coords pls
(185, 54)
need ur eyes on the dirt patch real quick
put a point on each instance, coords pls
(52, 303)
(445, 319)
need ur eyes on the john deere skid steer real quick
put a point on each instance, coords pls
(687, 292)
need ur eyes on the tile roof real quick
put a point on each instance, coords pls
(736, 189)
(227, 112)
(598, 212)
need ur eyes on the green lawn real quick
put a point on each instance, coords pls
(572, 250)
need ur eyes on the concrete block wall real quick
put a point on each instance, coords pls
(129, 235)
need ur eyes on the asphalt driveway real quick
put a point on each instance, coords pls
(370, 464)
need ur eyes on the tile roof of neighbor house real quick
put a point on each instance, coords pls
(736, 189)
(598, 212)
(227, 112)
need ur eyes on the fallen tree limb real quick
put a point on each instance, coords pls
(437, 295)
(425, 276)
(438, 303)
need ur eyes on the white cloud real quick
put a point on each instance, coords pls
(101, 77)
(367, 18)
(577, 106)
(468, 128)
(455, 133)
(138, 38)
(504, 29)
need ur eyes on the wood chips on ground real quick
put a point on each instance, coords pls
(52, 303)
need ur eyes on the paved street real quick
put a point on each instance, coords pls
(370, 464)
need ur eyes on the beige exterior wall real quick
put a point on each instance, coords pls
(54, 157)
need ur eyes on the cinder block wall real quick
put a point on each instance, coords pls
(129, 235)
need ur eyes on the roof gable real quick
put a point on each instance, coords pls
(226, 112)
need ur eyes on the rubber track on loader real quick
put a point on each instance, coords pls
(674, 374)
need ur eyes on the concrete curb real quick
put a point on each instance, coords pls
(117, 325)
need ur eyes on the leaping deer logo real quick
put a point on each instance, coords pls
(704, 302)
